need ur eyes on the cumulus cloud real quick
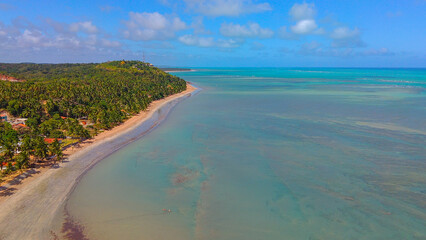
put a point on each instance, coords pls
(109, 43)
(345, 37)
(31, 38)
(251, 30)
(304, 26)
(302, 11)
(192, 40)
(230, 8)
(57, 27)
(50, 39)
(86, 27)
(198, 26)
(152, 26)
(228, 43)
(304, 16)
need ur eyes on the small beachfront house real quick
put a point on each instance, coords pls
(20, 126)
(19, 121)
(51, 140)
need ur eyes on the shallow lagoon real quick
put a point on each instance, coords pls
(271, 154)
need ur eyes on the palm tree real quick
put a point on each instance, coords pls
(23, 160)
(55, 149)
(9, 150)
(26, 144)
(40, 148)
(2, 160)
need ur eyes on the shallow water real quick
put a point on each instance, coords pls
(271, 154)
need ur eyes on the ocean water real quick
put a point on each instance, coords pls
(272, 153)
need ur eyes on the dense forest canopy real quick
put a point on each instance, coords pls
(57, 98)
(104, 93)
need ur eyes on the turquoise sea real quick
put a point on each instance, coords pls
(271, 154)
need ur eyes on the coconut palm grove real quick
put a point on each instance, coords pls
(48, 107)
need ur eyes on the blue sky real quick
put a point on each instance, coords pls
(217, 33)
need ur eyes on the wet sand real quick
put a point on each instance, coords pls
(28, 211)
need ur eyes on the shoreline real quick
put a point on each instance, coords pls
(172, 71)
(28, 212)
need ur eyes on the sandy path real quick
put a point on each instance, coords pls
(28, 213)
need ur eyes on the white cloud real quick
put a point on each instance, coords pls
(251, 30)
(86, 27)
(192, 40)
(304, 26)
(51, 41)
(231, 8)
(109, 43)
(30, 41)
(57, 27)
(304, 16)
(30, 38)
(228, 43)
(178, 24)
(154, 21)
(152, 26)
(302, 11)
(345, 37)
(198, 26)
(66, 42)
(344, 32)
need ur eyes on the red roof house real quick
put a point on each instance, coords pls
(51, 140)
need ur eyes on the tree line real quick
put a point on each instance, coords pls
(55, 98)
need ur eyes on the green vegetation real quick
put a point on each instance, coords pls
(73, 101)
